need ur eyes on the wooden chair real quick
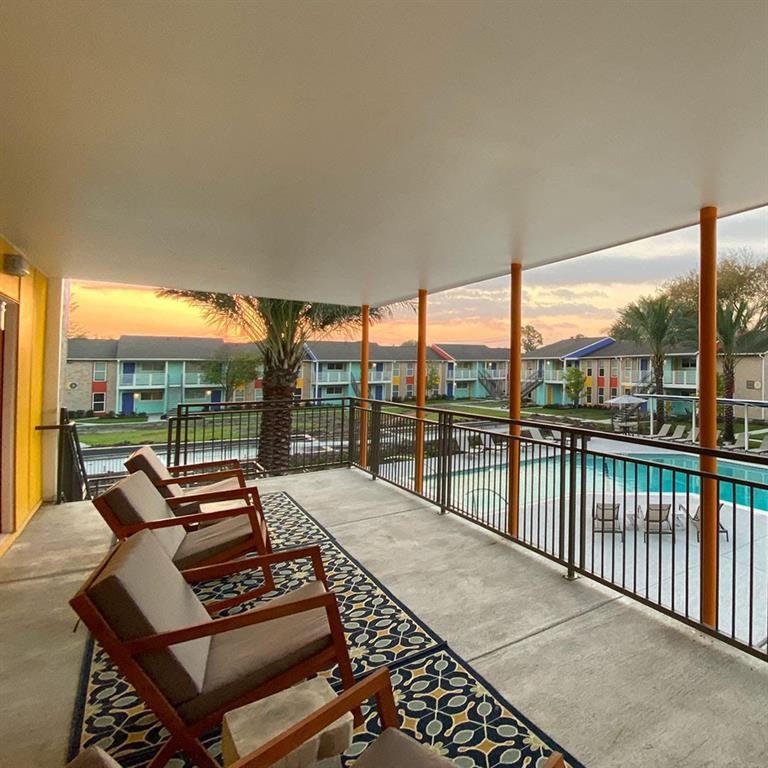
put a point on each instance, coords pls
(207, 477)
(391, 749)
(133, 504)
(189, 667)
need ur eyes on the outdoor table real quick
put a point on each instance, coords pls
(248, 728)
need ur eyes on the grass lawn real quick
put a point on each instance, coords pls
(105, 420)
(123, 437)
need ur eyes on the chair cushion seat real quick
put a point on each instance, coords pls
(227, 484)
(393, 749)
(211, 540)
(242, 659)
(93, 757)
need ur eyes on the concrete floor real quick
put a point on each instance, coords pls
(613, 682)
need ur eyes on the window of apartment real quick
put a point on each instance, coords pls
(409, 369)
(395, 391)
(239, 395)
(588, 396)
(395, 369)
(688, 362)
(614, 392)
(99, 402)
(334, 366)
(601, 369)
(152, 394)
(99, 371)
(752, 384)
(600, 397)
(152, 367)
(589, 369)
(334, 390)
(409, 390)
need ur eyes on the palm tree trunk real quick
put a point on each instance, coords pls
(729, 385)
(275, 432)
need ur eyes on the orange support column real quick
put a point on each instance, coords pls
(366, 316)
(708, 410)
(421, 390)
(515, 383)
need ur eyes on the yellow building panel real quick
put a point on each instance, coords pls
(588, 381)
(300, 383)
(31, 295)
(396, 381)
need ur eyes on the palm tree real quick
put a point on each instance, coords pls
(658, 324)
(280, 329)
(741, 327)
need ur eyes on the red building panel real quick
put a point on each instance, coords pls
(601, 381)
(614, 381)
(98, 386)
(409, 379)
(258, 384)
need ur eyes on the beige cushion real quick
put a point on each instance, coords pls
(147, 461)
(244, 658)
(393, 749)
(93, 757)
(133, 499)
(140, 592)
(211, 540)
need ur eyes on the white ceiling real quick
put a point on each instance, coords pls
(356, 151)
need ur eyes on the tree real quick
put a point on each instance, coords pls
(575, 380)
(433, 379)
(280, 329)
(740, 276)
(532, 339)
(231, 372)
(658, 323)
(740, 328)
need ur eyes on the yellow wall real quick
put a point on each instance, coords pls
(31, 295)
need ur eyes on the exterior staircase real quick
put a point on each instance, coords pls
(529, 386)
(492, 386)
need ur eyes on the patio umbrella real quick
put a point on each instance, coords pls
(626, 400)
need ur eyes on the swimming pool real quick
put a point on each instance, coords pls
(614, 475)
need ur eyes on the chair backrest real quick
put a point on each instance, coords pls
(664, 431)
(147, 461)
(133, 500)
(763, 444)
(658, 512)
(678, 433)
(536, 433)
(607, 511)
(140, 592)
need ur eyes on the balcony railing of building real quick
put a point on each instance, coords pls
(680, 378)
(196, 379)
(550, 375)
(495, 373)
(463, 374)
(608, 507)
(143, 379)
(378, 377)
(333, 377)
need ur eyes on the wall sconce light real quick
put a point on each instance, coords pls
(16, 265)
(208, 393)
(137, 395)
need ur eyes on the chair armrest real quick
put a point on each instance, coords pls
(555, 761)
(377, 684)
(191, 498)
(219, 570)
(220, 475)
(197, 517)
(228, 623)
(228, 463)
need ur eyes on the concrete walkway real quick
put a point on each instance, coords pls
(616, 684)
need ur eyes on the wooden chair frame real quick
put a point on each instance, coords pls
(186, 736)
(378, 684)
(259, 541)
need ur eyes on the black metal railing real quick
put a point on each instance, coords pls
(71, 475)
(621, 510)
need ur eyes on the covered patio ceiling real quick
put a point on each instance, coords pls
(354, 152)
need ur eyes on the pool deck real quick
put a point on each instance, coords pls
(615, 683)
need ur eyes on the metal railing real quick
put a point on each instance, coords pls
(684, 378)
(333, 377)
(143, 379)
(623, 511)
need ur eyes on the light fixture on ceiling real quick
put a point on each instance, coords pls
(15, 264)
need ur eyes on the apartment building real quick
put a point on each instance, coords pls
(613, 368)
(153, 374)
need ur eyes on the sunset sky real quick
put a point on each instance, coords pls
(561, 300)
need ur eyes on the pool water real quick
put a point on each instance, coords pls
(618, 475)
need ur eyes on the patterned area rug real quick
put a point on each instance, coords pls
(442, 701)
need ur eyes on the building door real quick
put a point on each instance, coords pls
(126, 405)
(378, 392)
(9, 315)
(449, 389)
